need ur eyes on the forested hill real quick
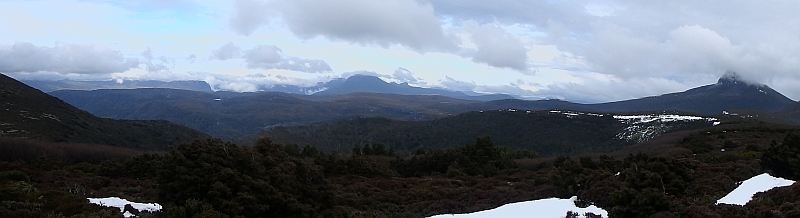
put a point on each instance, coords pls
(546, 132)
(29, 113)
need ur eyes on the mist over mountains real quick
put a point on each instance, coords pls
(341, 86)
(229, 114)
(383, 142)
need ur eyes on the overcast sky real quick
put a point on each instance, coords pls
(585, 51)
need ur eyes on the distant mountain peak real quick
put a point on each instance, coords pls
(731, 77)
(365, 78)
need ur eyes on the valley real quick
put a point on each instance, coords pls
(388, 154)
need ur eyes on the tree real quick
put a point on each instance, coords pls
(258, 181)
(784, 159)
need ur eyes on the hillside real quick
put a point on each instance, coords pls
(229, 115)
(729, 93)
(30, 113)
(546, 132)
(207, 177)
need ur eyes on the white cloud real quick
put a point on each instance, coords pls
(267, 57)
(457, 85)
(63, 58)
(365, 22)
(363, 72)
(262, 55)
(404, 75)
(271, 57)
(156, 65)
(598, 91)
(496, 47)
(249, 15)
(227, 51)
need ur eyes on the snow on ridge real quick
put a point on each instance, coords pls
(637, 119)
(571, 114)
(545, 208)
(120, 203)
(744, 193)
(645, 127)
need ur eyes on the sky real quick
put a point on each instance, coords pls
(580, 50)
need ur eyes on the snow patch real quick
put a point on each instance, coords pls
(545, 208)
(744, 193)
(637, 119)
(645, 127)
(120, 203)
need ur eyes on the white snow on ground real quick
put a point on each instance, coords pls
(544, 208)
(120, 203)
(744, 193)
(636, 119)
(645, 127)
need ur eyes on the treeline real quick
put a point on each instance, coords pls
(546, 133)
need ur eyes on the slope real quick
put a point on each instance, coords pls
(230, 115)
(546, 132)
(29, 113)
(729, 93)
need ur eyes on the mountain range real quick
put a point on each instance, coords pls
(341, 86)
(229, 114)
(55, 85)
(371, 84)
(29, 113)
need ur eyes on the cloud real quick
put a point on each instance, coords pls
(63, 58)
(261, 55)
(267, 57)
(366, 22)
(674, 40)
(686, 51)
(256, 82)
(271, 57)
(535, 12)
(457, 85)
(227, 51)
(249, 15)
(496, 47)
(156, 65)
(512, 89)
(404, 75)
(363, 72)
(599, 91)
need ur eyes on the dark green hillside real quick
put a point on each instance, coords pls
(541, 131)
(230, 115)
(212, 178)
(28, 113)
